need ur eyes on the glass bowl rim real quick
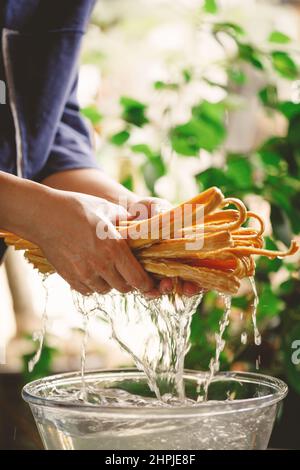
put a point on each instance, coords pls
(29, 394)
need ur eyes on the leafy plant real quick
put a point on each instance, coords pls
(270, 171)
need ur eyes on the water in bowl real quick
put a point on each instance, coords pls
(121, 412)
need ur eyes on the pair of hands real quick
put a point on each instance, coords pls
(68, 237)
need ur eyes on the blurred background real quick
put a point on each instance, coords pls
(181, 96)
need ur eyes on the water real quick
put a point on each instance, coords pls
(257, 336)
(83, 357)
(245, 431)
(39, 335)
(155, 333)
(257, 363)
(123, 413)
(244, 338)
(214, 365)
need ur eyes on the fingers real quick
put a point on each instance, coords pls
(121, 214)
(131, 270)
(116, 281)
(80, 287)
(148, 207)
(166, 286)
(157, 206)
(99, 285)
(190, 289)
(153, 294)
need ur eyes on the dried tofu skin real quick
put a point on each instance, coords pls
(212, 247)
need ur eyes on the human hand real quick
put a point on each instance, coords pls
(77, 235)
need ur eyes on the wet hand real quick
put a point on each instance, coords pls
(77, 234)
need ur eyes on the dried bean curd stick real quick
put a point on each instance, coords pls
(206, 278)
(214, 254)
(162, 225)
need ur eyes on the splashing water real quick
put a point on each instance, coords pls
(39, 335)
(257, 335)
(85, 305)
(83, 356)
(244, 338)
(214, 364)
(154, 332)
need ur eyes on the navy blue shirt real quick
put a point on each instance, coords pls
(41, 129)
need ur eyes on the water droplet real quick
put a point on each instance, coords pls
(244, 338)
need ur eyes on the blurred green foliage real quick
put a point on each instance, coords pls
(271, 171)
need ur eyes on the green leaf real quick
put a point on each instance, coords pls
(293, 132)
(44, 365)
(205, 130)
(239, 302)
(159, 85)
(269, 304)
(281, 224)
(270, 159)
(279, 37)
(153, 168)
(237, 76)
(142, 148)
(232, 29)
(210, 112)
(269, 96)
(249, 54)
(198, 133)
(210, 6)
(185, 139)
(128, 102)
(212, 177)
(120, 138)
(92, 113)
(284, 65)
(133, 111)
(265, 264)
(279, 195)
(289, 109)
(187, 75)
(288, 287)
(239, 171)
(128, 182)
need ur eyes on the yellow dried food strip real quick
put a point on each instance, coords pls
(208, 279)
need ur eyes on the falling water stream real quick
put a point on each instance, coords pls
(39, 335)
(214, 364)
(155, 333)
(257, 335)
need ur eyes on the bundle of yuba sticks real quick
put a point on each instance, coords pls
(170, 249)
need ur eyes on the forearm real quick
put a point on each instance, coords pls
(93, 182)
(20, 205)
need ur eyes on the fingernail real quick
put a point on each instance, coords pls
(167, 290)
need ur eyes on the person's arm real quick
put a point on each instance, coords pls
(65, 226)
(20, 205)
(94, 182)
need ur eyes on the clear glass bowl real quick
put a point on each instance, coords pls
(239, 413)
